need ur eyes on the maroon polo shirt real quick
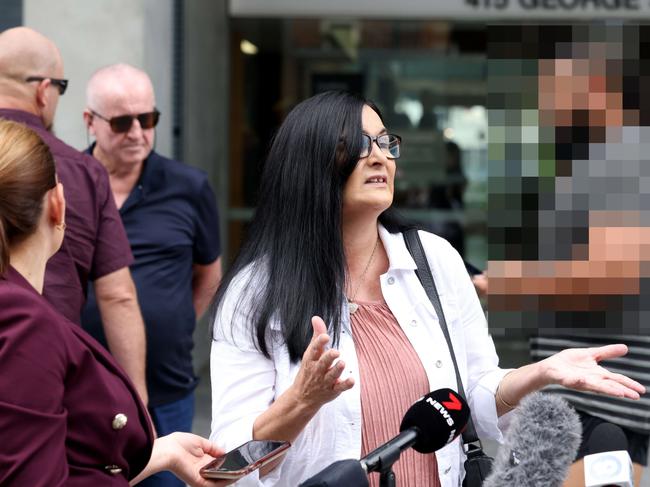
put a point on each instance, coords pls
(95, 242)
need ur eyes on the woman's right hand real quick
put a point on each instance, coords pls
(319, 379)
(317, 382)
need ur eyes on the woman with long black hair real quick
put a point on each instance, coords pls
(323, 334)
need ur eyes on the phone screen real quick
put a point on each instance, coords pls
(248, 453)
(244, 459)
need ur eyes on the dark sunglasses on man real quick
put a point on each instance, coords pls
(61, 84)
(122, 123)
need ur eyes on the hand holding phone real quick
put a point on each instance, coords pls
(244, 459)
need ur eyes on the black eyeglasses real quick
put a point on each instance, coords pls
(122, 124)
(61, 84)
(387, 143)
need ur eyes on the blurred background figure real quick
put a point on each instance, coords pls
(388, 95)
(575, 273)
(449, 196)
(428, 121)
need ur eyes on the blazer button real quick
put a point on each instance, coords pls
(113, 469)
(119, 421)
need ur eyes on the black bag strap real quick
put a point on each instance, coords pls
(414, 246)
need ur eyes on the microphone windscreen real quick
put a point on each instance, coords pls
(440, 417)
(539, 446)
(605, 437)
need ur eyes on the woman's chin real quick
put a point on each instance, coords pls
(366, 210)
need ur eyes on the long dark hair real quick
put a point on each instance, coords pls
(293, 255)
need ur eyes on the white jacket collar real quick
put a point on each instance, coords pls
(398, 255)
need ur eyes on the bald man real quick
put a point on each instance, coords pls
(95, 247)
(170, 215)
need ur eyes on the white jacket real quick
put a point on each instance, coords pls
(245, 383)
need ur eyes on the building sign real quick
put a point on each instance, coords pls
(492, 10)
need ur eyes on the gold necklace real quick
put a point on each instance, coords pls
(352, 306)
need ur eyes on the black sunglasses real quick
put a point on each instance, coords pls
(123, 123)
(61, 84)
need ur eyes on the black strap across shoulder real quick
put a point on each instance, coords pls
(414, 246)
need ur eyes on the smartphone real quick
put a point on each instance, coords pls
(244, 459)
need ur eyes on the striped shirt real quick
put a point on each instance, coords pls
(628, 413)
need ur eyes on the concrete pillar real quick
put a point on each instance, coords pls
(205, 117)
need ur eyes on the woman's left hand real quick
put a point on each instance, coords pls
(577, 368)
(186, 454)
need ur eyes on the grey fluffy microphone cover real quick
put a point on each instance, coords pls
(539, 446)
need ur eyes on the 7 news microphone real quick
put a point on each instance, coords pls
(432, 422)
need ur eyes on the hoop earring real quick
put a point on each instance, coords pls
(60, 226)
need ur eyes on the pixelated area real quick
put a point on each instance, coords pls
(569, 177)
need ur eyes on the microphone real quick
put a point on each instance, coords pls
(429, 424)
(344, 472)
(433, 421)
(539, 446)
(607, 463)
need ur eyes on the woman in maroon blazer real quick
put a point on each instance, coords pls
(68, 413)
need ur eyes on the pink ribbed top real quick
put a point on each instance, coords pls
(392, 378)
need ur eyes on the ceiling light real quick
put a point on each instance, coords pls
(247, 47)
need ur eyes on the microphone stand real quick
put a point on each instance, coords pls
(382, 459)
(386, 459)
(387, 479)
